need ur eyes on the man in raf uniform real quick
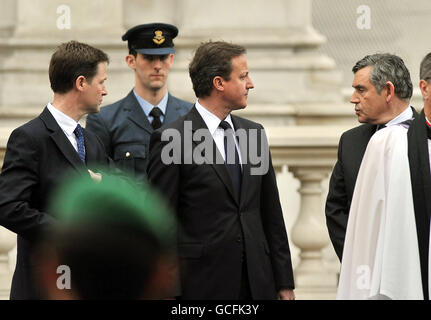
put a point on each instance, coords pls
(125, 126)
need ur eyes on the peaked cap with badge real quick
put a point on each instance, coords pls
(152, 38)
(123, 126)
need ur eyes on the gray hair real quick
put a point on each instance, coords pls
(388, 67)
(425, 68)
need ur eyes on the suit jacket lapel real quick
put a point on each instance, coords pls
(362, 142)
(172, 110)
(90, 150)
(220, 169)
(368, 133)
(137, 115)
(244, 145)
(61, 140)
(415, 113)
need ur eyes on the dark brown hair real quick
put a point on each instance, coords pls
(71, 60)
(212, 59)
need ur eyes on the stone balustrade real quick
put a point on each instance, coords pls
(309, 152)
(7, 238)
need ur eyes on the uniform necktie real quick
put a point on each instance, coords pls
(80, 140)
(232, 161)
(156, 113)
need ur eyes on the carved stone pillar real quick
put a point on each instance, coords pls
(7, 17)
(61, 20)
(310, 234)
(35, 28)
(310, 153)
(139, 12)
(7, 238)
(289, 74)
(7, 243)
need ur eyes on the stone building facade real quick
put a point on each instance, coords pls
(300, 53)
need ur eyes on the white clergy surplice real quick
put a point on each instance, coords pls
(381, 254)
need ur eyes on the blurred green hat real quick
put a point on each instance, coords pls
(114, 202)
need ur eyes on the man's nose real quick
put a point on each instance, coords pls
(250, 84)
(157, 63)
(354, 98)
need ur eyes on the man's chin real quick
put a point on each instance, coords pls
(240, 107)
(361, 120)
(95, 109)
(156, 86)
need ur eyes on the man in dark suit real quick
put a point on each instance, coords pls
(232, 240)
(40, 153)
(125, 126)
(382, 91)
(388, 234)
(419, 142)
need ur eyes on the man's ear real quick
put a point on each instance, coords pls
(218, 83)
(131, 61)
(425, 89)
(80, 83)
(390, 91)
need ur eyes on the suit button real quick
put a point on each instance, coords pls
(238, 239)
(127, 154)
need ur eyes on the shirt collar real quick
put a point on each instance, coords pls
(66, 123)
(403, 116)
(147, 107)
(210, 119)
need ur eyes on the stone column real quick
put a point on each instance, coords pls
(7, 238)
(288, 72)
(7, 243)
(137, 12)
(7, 17)
(309, 153)
(60, 19)
(310, 235)
(38, 27)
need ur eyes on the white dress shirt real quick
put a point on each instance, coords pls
(403, 116)
(213, 122)
(66, 123)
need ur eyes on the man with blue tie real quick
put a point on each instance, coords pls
(125, 126)
(41, 153)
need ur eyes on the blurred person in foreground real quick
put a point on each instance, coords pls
(113, 240)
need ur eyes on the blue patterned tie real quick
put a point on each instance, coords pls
(80, 140)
